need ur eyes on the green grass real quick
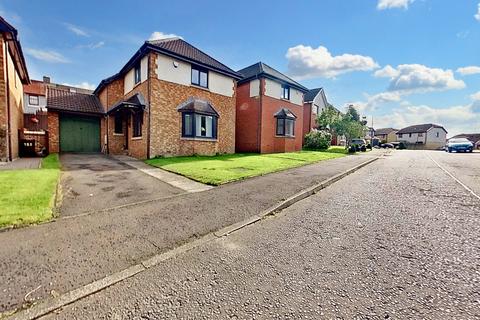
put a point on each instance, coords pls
(26, 196)
(216, 170)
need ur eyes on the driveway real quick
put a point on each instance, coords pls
(95, 182)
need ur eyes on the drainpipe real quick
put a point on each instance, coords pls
(259, 126)
(149, 105)
(9, 133)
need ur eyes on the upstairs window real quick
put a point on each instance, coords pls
(199, 77)
(33, 100)
(138, 73)
(438, 134)
(400, 135)
(420, 134)
(285, 92)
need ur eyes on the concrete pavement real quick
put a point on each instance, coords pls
(402, 244)
(54, 258)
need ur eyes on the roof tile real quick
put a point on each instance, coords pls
(64, 100)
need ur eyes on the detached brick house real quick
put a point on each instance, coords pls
(170, 98)
(269, 111)
(314, 103)
(13, 74)
(386, 134)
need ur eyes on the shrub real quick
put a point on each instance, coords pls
(318, 140)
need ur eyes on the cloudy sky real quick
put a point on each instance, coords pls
(401, 62)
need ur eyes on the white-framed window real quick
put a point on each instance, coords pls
(33, 100)
(285, 92)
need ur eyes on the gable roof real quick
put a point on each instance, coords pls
(420, 128)
(261, 69)
(11, 36)
(385, 131)
(311, 94)
(176, 48)
(64, 100)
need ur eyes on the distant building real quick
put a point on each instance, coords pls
(423, 136)
(386, 135)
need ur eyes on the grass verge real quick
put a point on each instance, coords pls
(216, 170)
(26, 196)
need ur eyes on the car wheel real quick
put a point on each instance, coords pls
(450, 150)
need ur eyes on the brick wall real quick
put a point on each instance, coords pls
(53, 132)
(166, 120)
(307, 120)
(3, 106)
(247, 120)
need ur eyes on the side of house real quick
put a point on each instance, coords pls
(13, 74)
(386, 135)
(423, 136)
(314, 103)
(269, 111)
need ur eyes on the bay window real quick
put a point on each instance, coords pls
(196, 125)
(285, 125)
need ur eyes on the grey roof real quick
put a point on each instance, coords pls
(419, 128)
(198, 106)
(64, 100)
(311, 94)
(261, 69)
(474, 137)
(177, 48)
(385, 131)
(285, 113)
(135, 101)
(182, 49)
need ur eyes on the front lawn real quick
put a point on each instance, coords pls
(26, 196)
(216, 170)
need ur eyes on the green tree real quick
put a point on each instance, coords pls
(349, 125)
(327, 118)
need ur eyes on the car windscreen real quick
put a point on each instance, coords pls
(459, 140)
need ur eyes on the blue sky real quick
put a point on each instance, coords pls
(398, 61)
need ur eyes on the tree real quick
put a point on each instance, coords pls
(349, 125)
(327, 118)
(352, 113)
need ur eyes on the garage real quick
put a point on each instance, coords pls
(75, 120)
(79, 134)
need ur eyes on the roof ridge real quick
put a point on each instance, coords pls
(165, 39)
(70, 92)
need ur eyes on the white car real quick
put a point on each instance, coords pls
(459, 144)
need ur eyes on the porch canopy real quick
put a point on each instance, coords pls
(134, 103)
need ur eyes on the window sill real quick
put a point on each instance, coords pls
(199, 87)
(137, 138)
(118, 134)
(284, 99)
(199, 139)
(287, 137)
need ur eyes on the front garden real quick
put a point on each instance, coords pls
(27, 196)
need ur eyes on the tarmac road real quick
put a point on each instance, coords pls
(397, 239)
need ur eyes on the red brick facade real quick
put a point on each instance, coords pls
(53, 132)
(161, 127)
(256, 123)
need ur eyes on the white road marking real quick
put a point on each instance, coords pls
(455, 178)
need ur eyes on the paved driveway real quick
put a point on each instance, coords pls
(94, 182)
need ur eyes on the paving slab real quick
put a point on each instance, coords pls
(172, 179)
(60, 256)
(21, 163)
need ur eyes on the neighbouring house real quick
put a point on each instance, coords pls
(473, 137)
(269, 111)
(169, 99)
(386, 135)
(13, 75)
(423, 136)
(369, 133)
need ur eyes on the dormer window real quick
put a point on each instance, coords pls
(138, 73)
(285, 92)
(199, 77)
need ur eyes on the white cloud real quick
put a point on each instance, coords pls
(47, 55)
(475, 96)
(374, 101)
(463, 34)
(306, 62)
(455, 119)
(477, 15)
(393, 4)
(92, 46)
(77, 30)
(157, 35)
(84, 85)
(417, 78)
(465, 71)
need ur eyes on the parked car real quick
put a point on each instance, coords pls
(359, 144)
(387, 146)
(459, 144)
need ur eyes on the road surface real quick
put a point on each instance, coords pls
(397, 239)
